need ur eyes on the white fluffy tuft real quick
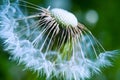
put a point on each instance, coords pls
(78, 67)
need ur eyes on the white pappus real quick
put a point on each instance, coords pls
(52, 42)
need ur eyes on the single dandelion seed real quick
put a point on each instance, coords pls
(52, 42)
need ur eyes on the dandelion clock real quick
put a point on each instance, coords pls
(51, 41)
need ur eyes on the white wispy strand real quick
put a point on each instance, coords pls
(78, 67)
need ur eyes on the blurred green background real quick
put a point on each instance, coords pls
(102, 17)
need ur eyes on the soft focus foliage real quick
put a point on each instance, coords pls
(106, 30)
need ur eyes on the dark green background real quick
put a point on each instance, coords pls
(106, 30)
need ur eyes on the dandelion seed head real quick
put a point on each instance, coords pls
(41, 43)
